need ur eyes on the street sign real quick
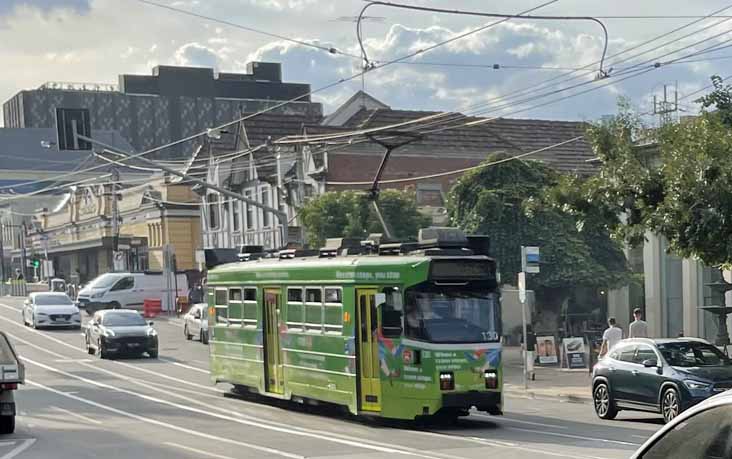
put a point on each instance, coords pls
(522, 287)
(530, 259)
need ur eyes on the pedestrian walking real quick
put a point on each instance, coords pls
(638, 328)
(611, 337)
(530, 352)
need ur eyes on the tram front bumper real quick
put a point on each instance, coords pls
(482, 401)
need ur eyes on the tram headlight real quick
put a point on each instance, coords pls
(491, 379)
(447, 381)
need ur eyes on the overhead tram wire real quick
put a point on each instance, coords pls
(329, 50)
(504, 17)
(709, 86)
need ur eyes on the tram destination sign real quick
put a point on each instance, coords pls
(462, 270)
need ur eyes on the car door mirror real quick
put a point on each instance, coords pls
(650, 363)
(197, 314)
(152, 324)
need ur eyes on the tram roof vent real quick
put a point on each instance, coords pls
(442, 237)
(251, 252)
(341, 245)
(296, 253)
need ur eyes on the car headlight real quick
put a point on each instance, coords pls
(108, 333)
(152, 332)
(696, 385)
(98, 295)
(41, 314)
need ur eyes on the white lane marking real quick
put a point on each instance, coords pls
(165, 424)
(507, 445)
(178, 364)
(286, 430)
(73, 360)
(176, 322)
(27, 443)
(197, 451)
(127, 365)
(644, 437)
(167, 391)
(7, 443)
(574, 437)
(499, 419)
(76, 415)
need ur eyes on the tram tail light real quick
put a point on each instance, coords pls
(447, 381)
(491, 379)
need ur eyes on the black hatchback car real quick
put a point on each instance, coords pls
(120, 331)
(664, 376)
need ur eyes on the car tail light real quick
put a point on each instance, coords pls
(9, 386)
(447, 381)
(491, 379)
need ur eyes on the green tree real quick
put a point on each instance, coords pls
(350, 214)
(510, 202)
(675, 181)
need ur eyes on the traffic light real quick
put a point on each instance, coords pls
(36, 263)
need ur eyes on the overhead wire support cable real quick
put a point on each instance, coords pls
(329, 50)
(505, 17)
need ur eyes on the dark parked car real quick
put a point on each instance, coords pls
(703, 432)
(120, 331)
(664, 376)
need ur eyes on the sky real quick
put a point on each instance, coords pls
(96, 40)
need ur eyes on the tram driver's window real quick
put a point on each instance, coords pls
(391, 312)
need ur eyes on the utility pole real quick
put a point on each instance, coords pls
(666, 108)
(115, 215)
(2, 256)
(23, 260)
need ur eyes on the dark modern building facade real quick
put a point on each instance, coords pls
(172, 103)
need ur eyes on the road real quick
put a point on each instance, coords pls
(77, 406)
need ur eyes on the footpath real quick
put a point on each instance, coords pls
(552, 383)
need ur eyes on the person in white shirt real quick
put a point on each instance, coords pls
(612, 336)
(638, 328)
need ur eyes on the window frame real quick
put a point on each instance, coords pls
(637, 361)
(309, 327)
(246, 321)
(240, 302)
(292, 325)
(330, 329)
(218, 307)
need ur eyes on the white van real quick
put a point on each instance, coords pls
(129, 290)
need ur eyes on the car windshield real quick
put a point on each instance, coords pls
(123, 320)
(53, 300)
(104, 281)
(692, 354)
(441, 314)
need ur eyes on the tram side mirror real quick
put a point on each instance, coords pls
(391, 322)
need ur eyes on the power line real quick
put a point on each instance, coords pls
(329, 50)
(460, 171)
(504, 17)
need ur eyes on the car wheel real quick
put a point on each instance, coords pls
(603, 402)
(153, 354)
(670, 404)
(7, 424)
(185, 332)
(33, 322)
(204, 337)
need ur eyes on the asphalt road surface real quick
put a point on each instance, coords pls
(77, 406)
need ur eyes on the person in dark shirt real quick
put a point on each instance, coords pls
(530, 352)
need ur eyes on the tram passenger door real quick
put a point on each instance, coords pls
(273, 352)
(368, 350)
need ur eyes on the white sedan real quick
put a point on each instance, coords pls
(50, 309)
(195, 323)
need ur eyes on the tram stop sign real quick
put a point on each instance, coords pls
(530, 260)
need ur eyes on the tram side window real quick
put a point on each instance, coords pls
(235, 306)
(221, 305)
(295, 309)
(391, 312)
(314, 310)
(333, 314)
(249, 313)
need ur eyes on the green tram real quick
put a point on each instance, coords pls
(405, 331)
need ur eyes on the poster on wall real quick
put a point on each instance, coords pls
(546, 350)
(574, 352)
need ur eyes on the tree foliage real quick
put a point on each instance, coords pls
(350, 214)
(511, 202)
(678, 185)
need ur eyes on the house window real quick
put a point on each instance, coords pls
(250, 211)
(265, 201)
(236, 215)
(213, 211)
